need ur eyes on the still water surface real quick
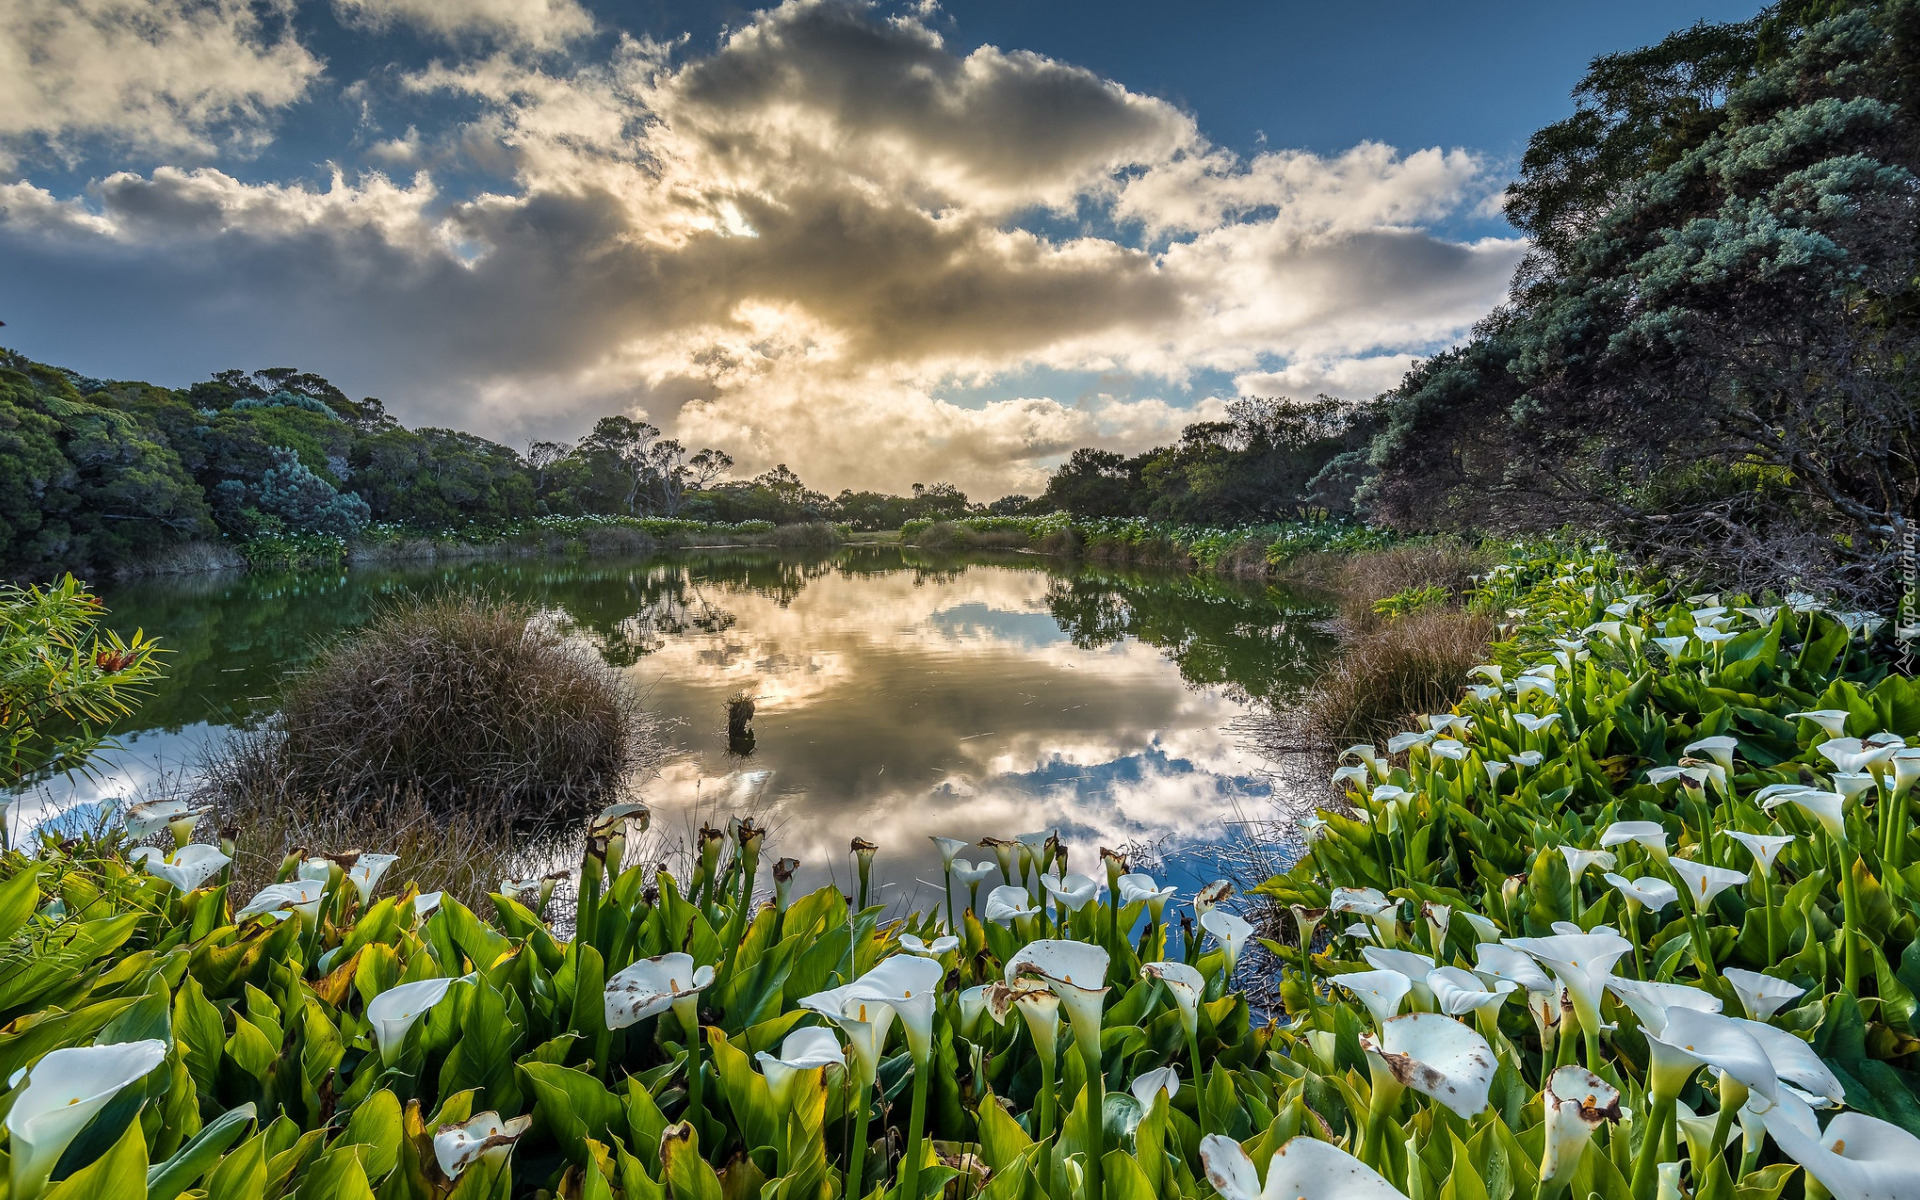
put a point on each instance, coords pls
(900, 695)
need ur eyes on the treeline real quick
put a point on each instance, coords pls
(95, 474)
(1708, 358)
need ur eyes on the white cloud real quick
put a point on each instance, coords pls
(792, 248)
(540, 24)
(155, 75)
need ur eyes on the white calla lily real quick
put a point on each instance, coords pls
(1795, 1062)
(1857, 1158)
(1074, 892)
(189, 867)
(1693, 1039)
(909, 985)
(1185, 984)
(1577, 1102)
(177, 816)
(1381, 991)
(948, 847)
(1719, 748)
(1761, 995)
(1008, 902)
(864, 1022)
(1649, 891)
(1851, 755)
(1832, 720)
(808, 1049)
(1147, 1088)
(1828, 808)
(1303, 1169)
(1437, 1056)
(933, 949)
(64, 1090)
(1650, 999)
(1140, 888)
(1231, 931)
(1497, 961)
(485, 1138)
(1416, 967)
(1074, 971)
(366, 872)
(297, 895)
(1582, 963)
(1704, 881)
(1765, 847)
(1457, 991)
(651, 986)
(1578, 860)
(393, 1012)
(1650, 835)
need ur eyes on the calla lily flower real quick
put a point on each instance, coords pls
(1450, 749)
(1761, 995)
(366, 872)
(1674, 646)
(1436, 1056)
(862, 1021)
(1906, 769)
(1368, 755)
(1765, 847)
(1354, 774)
(1217, 892)
(1799, 1068)
(651, 986)
(909, 985)
(1719, 748)
(300, 895)
(1381, 991)
(1416, 967)
(949, 847)
(1649, 834)
(486, 1138)
(1852, 755)
(1582, 963)
(1578, 860)
(1184, 983)
(1033, 846)
(1074, 892)
(1832, 720)
(1303, 1169)
(1438, 916)
(1650, 999)
(190, 866)
(1828, 808)
(1649, 892)
(1535, 683)
(1138, 887)
(933, 949)
(1365, 901)
(1690, 776)
(1577, 1102)
(1008, 901)
(971, 875)
(1457, 991)
(1488, 672)
(1533, 724)
(1406, 741)
(1857, 1158)
(395, 1011)
(177, 816)
(1705, 881)
(426, 904)
(1147, 1088)
(1498, 961)
(64, 1090)
(808, 1049)
(1852, 784)
(1527, 758)
(1494, 768)
(1484, 929)
(1693, 1039)
(1232, 933)
(1074, 971)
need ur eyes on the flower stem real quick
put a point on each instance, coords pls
(1043, 1114)
(916, 1126)
(1199, 1080)
(857, 1151)
(1097, 1108)
(1644, 1165)
(1850, 897)
(951, 927)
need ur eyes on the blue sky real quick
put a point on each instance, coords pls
(885, 243)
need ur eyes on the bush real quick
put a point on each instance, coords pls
(460, 698)
(1416, 663)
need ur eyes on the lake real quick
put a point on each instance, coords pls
(900, 694)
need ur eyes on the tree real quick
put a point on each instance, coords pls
(306, 503)
(621, 446)
(1709, 359)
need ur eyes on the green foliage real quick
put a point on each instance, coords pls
(63, 679)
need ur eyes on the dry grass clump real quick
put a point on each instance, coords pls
(465, 852)
(951, 535)
(1361, 579)
(1416, 663)
(471, 702)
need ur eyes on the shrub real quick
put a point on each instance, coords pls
(1416, 663)
(458, 697)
